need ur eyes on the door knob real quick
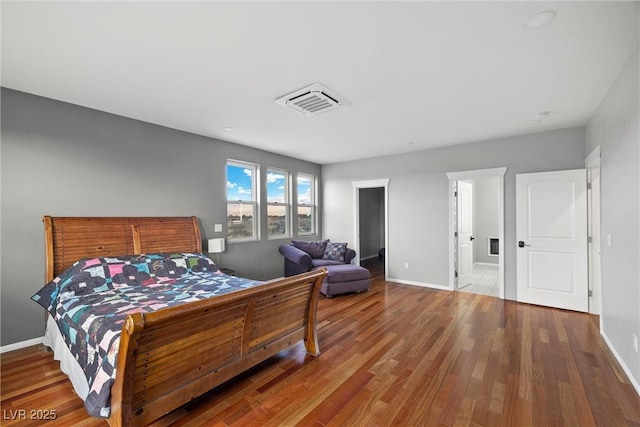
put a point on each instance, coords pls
(472, 238)
(522, 244)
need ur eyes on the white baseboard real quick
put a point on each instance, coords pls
(492, 264)
(424, 285)
(21, 344)
(625, 368)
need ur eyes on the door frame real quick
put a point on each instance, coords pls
(592, 164)
(466, 176)
(371, 183)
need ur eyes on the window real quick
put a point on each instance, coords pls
(242, 202)
(277, 203)
(306, 204)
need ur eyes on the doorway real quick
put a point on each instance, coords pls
(477, 235)
(372, 241)
(371, 222)
(476, 230)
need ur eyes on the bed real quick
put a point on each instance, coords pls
(136, 295)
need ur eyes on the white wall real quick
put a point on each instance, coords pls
(419, 201)
(615, 127)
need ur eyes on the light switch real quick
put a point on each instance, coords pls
(217, 228)
(609, 240)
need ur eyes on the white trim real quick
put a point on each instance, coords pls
(371, 183)
(592, 164)
(420, 284)
(593, 157)
(476, 174)
(21, 344)
(490, 264)
(623, 365)
(468, 175)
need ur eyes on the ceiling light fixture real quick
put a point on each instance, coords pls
(541, 19)
(228, 129)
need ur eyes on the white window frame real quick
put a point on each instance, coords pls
(255, 188)
(312, 205)
(285, 203)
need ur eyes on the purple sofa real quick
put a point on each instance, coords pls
(302, 256)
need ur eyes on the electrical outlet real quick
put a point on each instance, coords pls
(635, 342)
(217, 228)
(406, 265)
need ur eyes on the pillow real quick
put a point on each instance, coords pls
(314, 249)
(192, 262)
(335, 251)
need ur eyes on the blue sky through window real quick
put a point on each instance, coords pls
(239, 183)
(304, 190)
(276, 187)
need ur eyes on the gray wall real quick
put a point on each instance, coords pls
(614, 127)
(418, 216)
(63, 160)
(486, 206)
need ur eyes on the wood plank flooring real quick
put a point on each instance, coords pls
(398, 355)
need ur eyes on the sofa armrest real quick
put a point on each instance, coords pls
(296, 256)
(349, 255)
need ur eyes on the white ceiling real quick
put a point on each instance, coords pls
(417, 75)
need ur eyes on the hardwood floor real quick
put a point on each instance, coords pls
(397, 355)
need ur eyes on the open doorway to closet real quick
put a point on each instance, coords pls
(371, 224)
(477, 231)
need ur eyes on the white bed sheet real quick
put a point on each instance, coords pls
(68, 364)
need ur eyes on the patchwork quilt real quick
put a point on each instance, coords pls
(91, 300)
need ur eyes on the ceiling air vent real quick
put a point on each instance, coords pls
(312, 100)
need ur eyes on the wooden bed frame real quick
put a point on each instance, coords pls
(173, 355)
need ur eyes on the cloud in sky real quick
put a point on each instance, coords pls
(274, 177)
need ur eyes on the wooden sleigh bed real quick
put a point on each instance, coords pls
(170, 356)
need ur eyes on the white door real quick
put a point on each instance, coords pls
(465, 232)
(551, 228)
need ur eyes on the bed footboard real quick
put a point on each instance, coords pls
(171, 356)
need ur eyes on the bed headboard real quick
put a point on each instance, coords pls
(68, 239)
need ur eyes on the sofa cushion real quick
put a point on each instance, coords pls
(335, 251)
(320, 262)
(314, 249)
(345, 273)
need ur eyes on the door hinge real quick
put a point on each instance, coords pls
(588, 186)
(589, 239)
(590, 293)
(455, 234)
(455, 194)
(456, 274)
